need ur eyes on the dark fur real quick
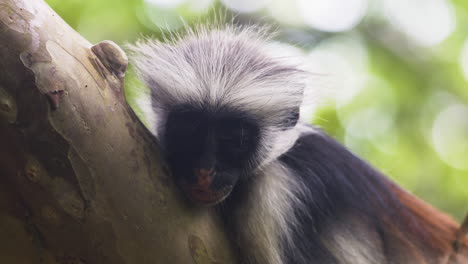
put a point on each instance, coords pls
(343, 187)
(345, 192)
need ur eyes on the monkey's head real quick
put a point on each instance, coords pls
(222, 105)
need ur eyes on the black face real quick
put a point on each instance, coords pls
(209, 151)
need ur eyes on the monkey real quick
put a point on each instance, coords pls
(225, 112)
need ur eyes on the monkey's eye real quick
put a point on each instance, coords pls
(233, 134)
(234, 144)
(236, 138)
(183, 127)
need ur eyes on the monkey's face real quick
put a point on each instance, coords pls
(208, 152)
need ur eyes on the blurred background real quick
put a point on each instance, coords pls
(390, 77)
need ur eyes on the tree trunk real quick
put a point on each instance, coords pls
(81, 180)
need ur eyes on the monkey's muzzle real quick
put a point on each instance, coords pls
(204, 192)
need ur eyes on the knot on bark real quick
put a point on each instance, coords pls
(112, 57)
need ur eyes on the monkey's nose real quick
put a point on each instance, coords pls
(204, 177)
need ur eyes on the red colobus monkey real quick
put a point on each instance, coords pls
(226, 115)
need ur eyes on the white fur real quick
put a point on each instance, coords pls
(282, 143)
(217, 68)
(268, 216)
(353, 242)
(273, 198)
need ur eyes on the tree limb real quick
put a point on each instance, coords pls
(81, 180)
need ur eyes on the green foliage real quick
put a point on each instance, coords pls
(403, 116)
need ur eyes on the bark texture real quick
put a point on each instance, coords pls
(80, 179)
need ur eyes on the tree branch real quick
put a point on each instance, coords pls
(81, 180)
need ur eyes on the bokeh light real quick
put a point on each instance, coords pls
(426, 22)
(165, 3)
(332, 15)
(450, 136)
(156, 17)
(285, 12)
(245, 6)
(372, 112)
(464, 59)
(199, 6)
(340, 64)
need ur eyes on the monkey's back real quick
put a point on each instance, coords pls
(355, 214)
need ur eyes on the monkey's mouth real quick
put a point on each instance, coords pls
(206, 197)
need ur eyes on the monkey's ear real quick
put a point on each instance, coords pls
(291, 119)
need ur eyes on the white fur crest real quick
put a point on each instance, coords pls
(216, 68)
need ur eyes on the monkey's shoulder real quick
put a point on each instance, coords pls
(314, 149)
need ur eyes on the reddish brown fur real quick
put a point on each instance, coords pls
(432, 233)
